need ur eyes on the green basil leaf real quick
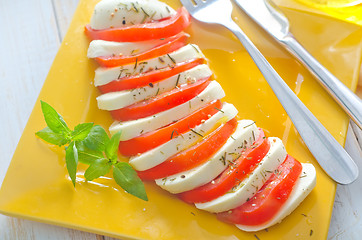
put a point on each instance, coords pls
(86, 155)
(71, 160)
(97, 138)
(51, 137)
(98, 168)
(126, 177)
(54, 121)
(81, 131)
(112, 146)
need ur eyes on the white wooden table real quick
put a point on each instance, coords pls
(30, 34)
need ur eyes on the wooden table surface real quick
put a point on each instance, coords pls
(30, 34)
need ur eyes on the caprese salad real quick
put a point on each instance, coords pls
(175, 128)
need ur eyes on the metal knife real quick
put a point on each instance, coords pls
(273, 21)
(343, 170)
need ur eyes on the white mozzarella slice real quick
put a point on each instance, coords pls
(101, 48)
(116, 13)
(117, 100)
(180, 142)
(244, 135)
(186, 53)
(249, 186)
(302, 188)
(134, 128)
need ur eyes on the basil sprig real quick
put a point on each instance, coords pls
(90, 144)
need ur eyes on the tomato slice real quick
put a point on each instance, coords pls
(232, 176)
(193, 156)
(269, 199)
(150, 140)
(141, 32)
(168, 45)
(160, 102)
(144, 79)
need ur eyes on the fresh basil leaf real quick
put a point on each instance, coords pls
(71, 160)
(97, 138)
(81, 131)
(98, 168)
(51, 137)
(112, 146)
(126, 177)
(54, 121)
(86, 155)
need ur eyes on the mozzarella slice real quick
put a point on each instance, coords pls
(244, 135)
(101, 48)
(249, 186)
(116, 13)
(180, 142)
(302, 188)
(117, 100)
(134, 128)
(186, 53)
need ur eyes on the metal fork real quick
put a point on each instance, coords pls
(328, 152)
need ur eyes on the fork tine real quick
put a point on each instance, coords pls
(198, 2)
(205, 10)
(188, 4)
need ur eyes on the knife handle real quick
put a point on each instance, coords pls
(331, 156)
(350, 103)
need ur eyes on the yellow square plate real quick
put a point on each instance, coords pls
(37, 186)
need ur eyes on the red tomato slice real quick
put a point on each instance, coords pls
(269, 199)
(153, 139)
(144, 79)
(232, 176)
(160, 102)
(141, 32)
(168, 45)
(193, 156)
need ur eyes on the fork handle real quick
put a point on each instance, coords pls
(350, 103)
(328, 152)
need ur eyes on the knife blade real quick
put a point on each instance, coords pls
(276, 24)
(273, 21)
